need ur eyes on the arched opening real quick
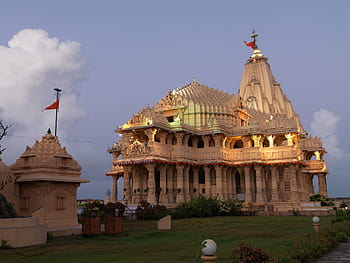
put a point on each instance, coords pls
(266, 142)
(157, 181)
(238, 183)
(200, 143)
(201, 176)
(238, 144)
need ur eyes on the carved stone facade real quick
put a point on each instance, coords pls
(46, 179)
(201, 141)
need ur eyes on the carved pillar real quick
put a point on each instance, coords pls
(151, 183)
(224, 183)
(187, 183)
(233, 183)
(126, 185)
(207, 185)
(195, 180)
(170, 183)
(180, 183)
(274, 184)
(293, 183)
(259, 184)
(115, 188)
(322, 184)
(219, 182)
(289, 138)
(229, 183)
(150, 133)
(206, 141)
(179, 145)
(248, 184)
(163, 197)
(271, 140)
(256, 139)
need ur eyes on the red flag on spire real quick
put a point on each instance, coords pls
(250, 44)
(53, 106)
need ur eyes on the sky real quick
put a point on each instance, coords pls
(112, 58)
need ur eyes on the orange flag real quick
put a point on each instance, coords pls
(250, 44)
(53, 106)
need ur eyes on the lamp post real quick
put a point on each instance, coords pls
(208, 251)
(316, 223)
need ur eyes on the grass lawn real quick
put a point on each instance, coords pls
(142, 242)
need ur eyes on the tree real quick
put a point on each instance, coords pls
(3, 132)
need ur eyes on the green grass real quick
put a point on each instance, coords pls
(142, 242)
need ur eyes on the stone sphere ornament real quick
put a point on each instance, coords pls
(208, 247)
(316, 220)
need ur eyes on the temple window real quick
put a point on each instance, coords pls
(60, 203)
(170, 118)
(238, 144)
(200, 143)
(190, 143)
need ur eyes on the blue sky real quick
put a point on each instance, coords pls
(127, 54)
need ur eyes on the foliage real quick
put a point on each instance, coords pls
(92, 209)
(247, 254)
(316, 244)
(3, 132)
(114, 209)
(231, 207)
(146, 211)
(6, 208)
(343, 214)
(343, 205)
(200, 206)
(4, 244)
(323, 199)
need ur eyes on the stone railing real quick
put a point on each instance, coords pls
(315, 165)
(174, 152)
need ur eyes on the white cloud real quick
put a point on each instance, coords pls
(325, 125)
(31, 66)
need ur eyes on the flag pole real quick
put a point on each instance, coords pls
(57, 97)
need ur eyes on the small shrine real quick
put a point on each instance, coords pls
(46, 182)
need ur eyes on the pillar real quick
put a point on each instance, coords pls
(259, 184)
(126, 185)
(248, 184)
(229, 183)
(224, 183)
(115, 188)
(163, 197)
(207, 185)
(293, 183)
(195, 180)
(151, 184)
(187, 183)
(180, 183)
(322, 184)
(170, 183)
(274, 184)
(219, 182)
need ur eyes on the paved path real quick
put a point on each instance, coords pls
(339, 254)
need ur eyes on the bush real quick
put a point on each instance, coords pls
(146, 211)
(200, 206)
(316, 244)
(231, 208)
(323, 199)
(247, 254)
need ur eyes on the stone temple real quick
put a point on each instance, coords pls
(199, 140)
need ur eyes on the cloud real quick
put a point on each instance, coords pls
(325, 125)
(31, 66)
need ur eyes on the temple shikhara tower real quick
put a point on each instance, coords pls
(198, 140)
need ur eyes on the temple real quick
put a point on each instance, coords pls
(199, 140)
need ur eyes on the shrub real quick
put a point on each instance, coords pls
(231, 208)
(323, 199)
(247, 254)
(146, 211)
(200, 206)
